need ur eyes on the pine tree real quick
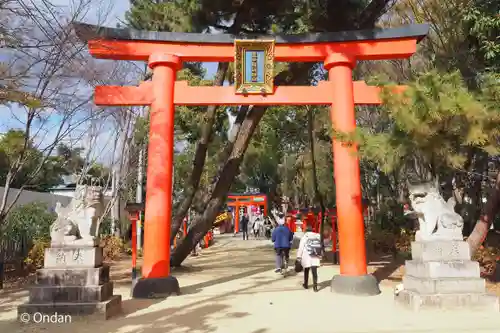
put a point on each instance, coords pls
(435, 121)
(438, 129)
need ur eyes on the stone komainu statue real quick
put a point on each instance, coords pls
(78, 223)
(437, 218)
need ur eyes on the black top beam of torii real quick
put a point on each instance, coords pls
(88, 32)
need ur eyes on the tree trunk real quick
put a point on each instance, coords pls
(317, 194)
(215, 198)
(115, 208)
(474, 192)
(139, 192)
(480, 231)
(199, 157)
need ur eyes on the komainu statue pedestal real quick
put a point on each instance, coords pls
(74, 281)
(442, 275)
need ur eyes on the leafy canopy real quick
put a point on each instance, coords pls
(436, 118)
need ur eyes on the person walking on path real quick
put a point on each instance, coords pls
(233, 227)
(268, 227)
(309, 255)
(257, 225)
(282, 238)
(244, 225)
(279, 217)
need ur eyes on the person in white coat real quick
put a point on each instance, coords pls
(257, 226)
(310, 256)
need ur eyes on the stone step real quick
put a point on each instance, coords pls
(97, 310)
(416, 301)
(444, 285)
(440, 251)
(442, 269)
(72, 257)
(72, 276)
(70, 294)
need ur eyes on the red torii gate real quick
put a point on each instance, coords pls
(165, 53)
(238, 200)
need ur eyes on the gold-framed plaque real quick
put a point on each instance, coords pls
(253, 66)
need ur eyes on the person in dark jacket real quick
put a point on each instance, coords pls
(282, 238)
(244, 225)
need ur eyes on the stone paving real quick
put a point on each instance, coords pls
(232, 287)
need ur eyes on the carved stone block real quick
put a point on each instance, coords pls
(70, 294)
(444, 285)
(72, 257)
(440, 251)
(417, 301)
(73, 282)
(437, 269)
(82, 242)
(72, 276)
(97, 310)
(441, 275)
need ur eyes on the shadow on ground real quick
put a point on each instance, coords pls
(123, 277)
(195, 288)
(193, 316)
(387, 267)
(200, 314)
(139, 315)
(10, 299)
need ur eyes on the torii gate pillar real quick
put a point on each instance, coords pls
(156, 264)
(353, 272)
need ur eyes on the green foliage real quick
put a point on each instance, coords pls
(141, 128)
(261, 164)
(436, 118)
(162, 15)
(37, 172)
(483, 23)
(278, 160)
(71, 162)
(23, 158)
(105, 227)
(31, 221)
(382, 240)
(71, 158)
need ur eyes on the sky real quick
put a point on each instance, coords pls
(13, 116)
